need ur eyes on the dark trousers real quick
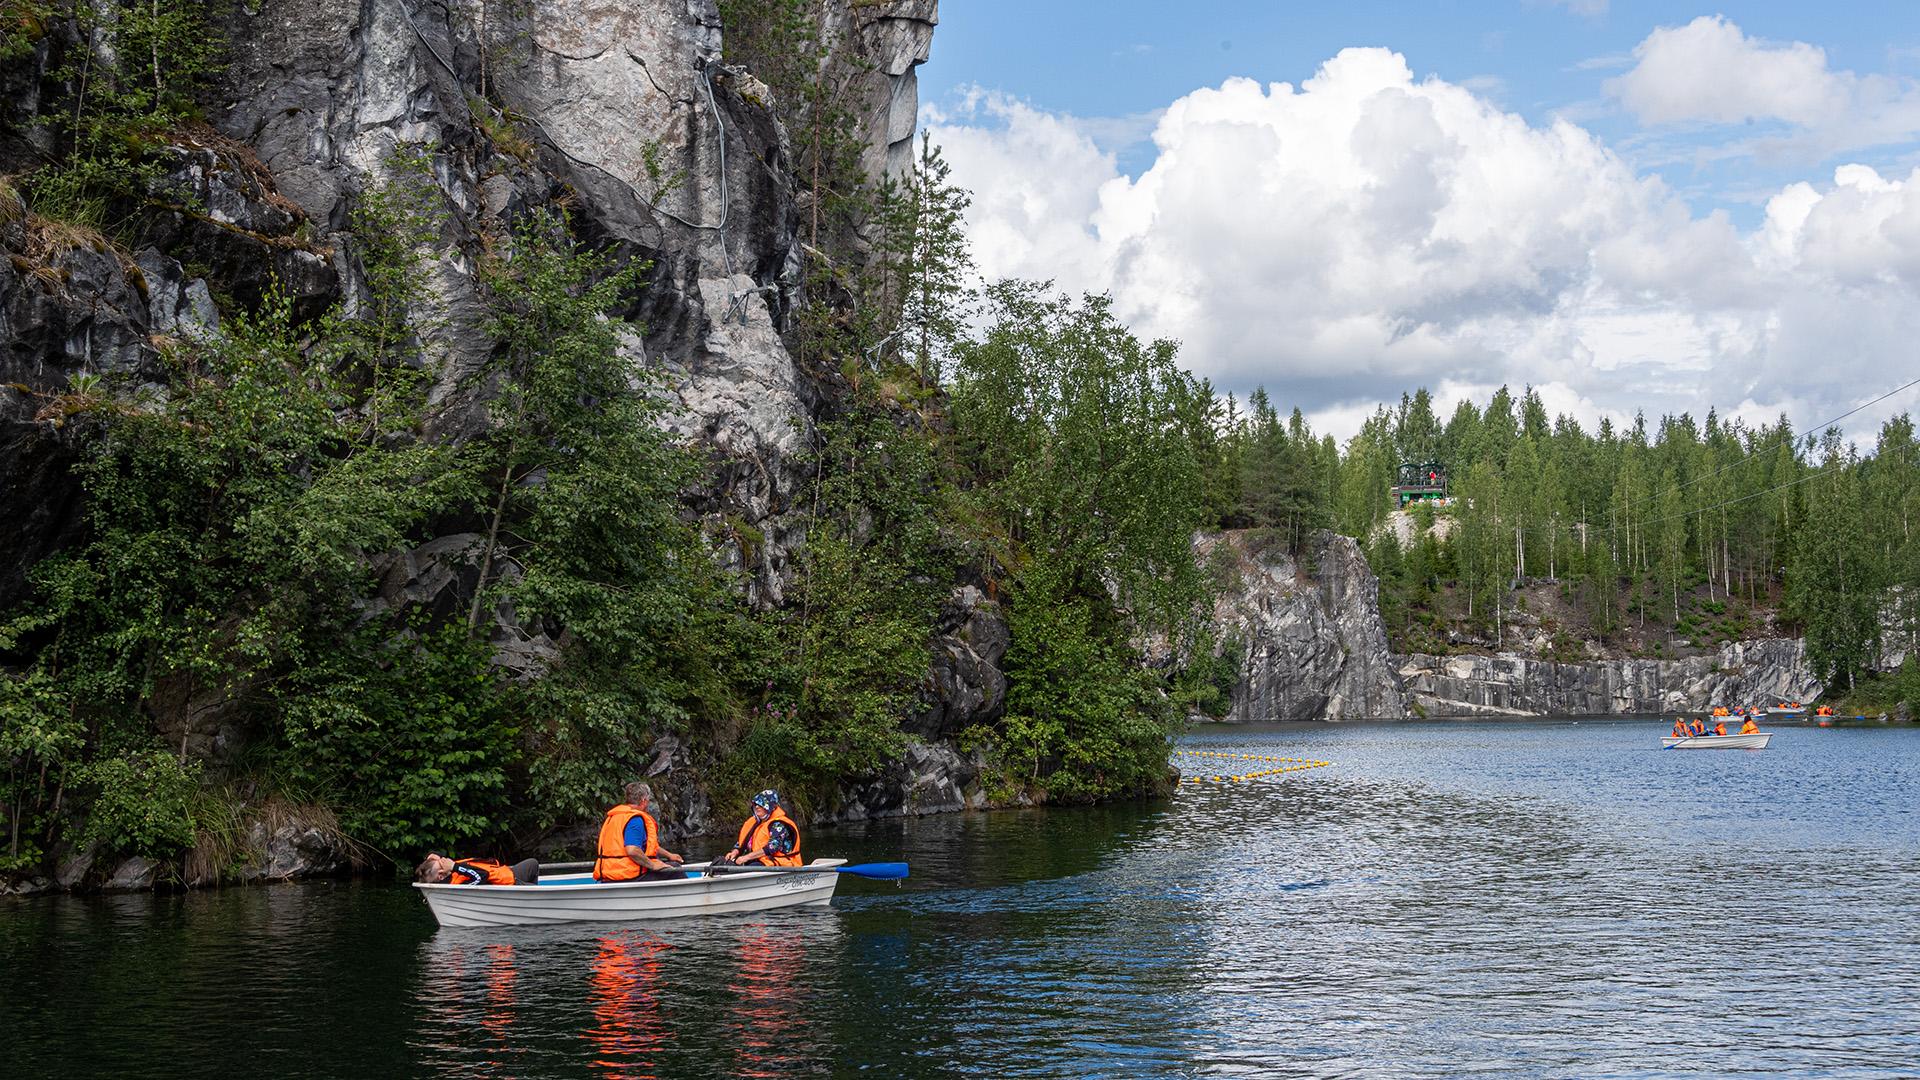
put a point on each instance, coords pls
(671, 873)
(526, 872)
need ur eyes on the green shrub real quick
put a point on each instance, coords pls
(144, 804)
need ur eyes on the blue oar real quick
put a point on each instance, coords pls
(879, 871)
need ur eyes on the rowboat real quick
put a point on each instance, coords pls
(576, 897)
(1755, 741)
(1786, 710)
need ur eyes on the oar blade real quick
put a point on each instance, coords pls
(879, 871)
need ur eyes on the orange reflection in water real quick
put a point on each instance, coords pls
(501, 973)
(765, 1019)
(463, 986)
(628, 1031)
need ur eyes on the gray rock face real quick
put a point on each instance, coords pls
(1315, 646)
(72, 871)
(931, 778)
(294, 848)
(965, 686)
(891, 38)
(137, 874)
(1744, 673)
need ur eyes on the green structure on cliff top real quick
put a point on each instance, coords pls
(1420, 482)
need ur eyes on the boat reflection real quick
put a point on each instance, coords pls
(629, 1030)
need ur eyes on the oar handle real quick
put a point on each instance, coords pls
(551, 867)
(889, 871)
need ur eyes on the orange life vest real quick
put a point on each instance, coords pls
(1697, 728)
(1679, 729)
(753, 838)
(1720, 710)
(1720, 728)
(491, 873)
(1824, 710)
(611, 862)
(1749, 728)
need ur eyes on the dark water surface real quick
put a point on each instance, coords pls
(1537, 899)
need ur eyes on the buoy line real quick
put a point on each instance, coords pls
(1287, 765)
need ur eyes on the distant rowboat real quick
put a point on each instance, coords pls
(576, 897)
(1755, 741)
(1786, 710)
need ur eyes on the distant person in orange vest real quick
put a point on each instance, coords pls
(1720, 728)
(767, 838)
(628, 848)
(1749, 728)
(1824, 710)
(439, 869)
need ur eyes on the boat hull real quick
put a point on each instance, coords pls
(578, 898)
(1756, 741)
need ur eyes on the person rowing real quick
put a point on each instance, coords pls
(628, 848)
(1680, 728)
(767, 838)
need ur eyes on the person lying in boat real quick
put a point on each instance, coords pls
(767, 838)
(438, 869)
(1749, 728)
(628, 848)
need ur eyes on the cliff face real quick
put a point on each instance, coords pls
(623, 111)
(1315, 649)
(1744, 673)
(1314, 645)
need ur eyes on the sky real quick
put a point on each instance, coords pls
(1628, 206)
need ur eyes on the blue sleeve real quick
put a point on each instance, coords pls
(636, 834)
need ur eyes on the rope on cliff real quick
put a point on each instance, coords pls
(737, 299)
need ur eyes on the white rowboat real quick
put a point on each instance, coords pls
(576, 897)
(1755, 741)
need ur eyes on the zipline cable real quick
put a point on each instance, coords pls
(1754, 456)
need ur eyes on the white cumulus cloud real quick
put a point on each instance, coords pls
(1365, 233)
(1709, 72)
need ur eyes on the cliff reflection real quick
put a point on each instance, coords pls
(629, 1030)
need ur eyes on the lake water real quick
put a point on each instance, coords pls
(1519, 899)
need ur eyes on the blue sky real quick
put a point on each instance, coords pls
(1630, 206)
(1129, 58)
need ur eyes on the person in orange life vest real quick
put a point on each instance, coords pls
(1749, 728)
(768, 837)
(1680, 728)
(1720, 728)
(1824, 710)
(1697, 727)
(628, 848)
(437, 868)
